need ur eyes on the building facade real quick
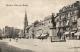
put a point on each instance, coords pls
(11, 32)
(64, 25)
(42, 29)
(67, 20)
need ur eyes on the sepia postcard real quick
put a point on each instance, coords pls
(39, 25)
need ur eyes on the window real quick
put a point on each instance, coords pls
(76, 11)
(68, 15)
(74, 18)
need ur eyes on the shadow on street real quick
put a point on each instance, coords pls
(4, 47)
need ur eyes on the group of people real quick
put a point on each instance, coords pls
(14, 39)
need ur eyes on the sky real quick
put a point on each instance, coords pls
(36, 10)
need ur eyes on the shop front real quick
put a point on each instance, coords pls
(77, 35)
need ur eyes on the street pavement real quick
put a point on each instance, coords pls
(4, 47)
(37, 45)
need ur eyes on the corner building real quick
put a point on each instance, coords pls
(67, 20)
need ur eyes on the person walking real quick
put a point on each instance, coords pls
(10, 40)
(16, 39)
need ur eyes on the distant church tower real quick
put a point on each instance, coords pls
(25, 24)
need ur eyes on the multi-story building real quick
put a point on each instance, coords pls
(64, 24)
(21, 33)
(67, 20)
(11, 32)
(1, 34)
(30, 29)
(43, 28)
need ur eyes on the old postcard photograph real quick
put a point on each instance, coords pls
(39, 25)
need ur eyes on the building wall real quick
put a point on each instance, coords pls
(1, 35)
(67, 18)
(11, 32)
(43, 27)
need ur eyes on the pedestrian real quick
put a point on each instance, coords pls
(16, 39)
(10, 40)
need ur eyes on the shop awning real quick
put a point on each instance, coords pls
(72, 32)
(43, 34)
(37, 35)
(66, 33)
(78, 33)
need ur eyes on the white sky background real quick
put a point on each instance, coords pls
(36, 10)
